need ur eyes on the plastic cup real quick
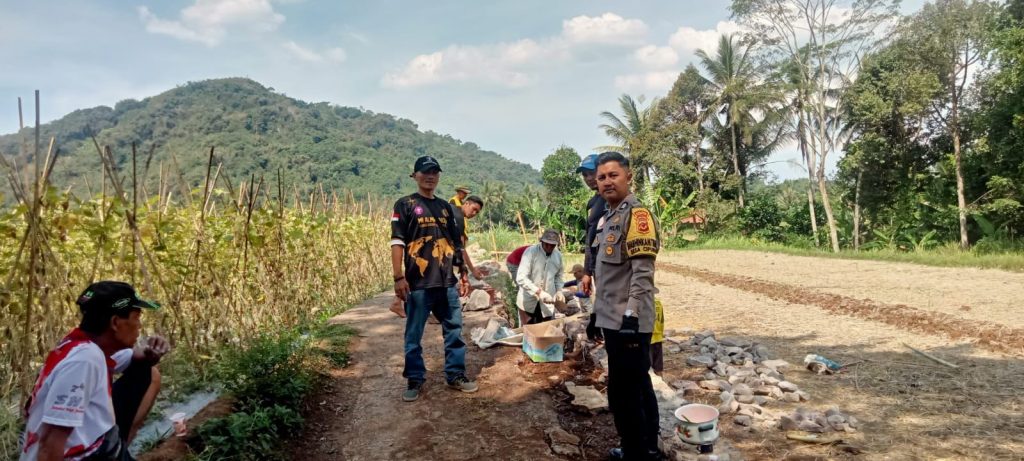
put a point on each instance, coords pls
(179, 423)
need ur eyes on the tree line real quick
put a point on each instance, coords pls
(924, 115)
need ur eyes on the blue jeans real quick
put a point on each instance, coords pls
(444, 304)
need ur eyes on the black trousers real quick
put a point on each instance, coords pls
(127, 395)
(537, 316)
(630, 393)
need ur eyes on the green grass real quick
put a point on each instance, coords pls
(944, 256)
(332, 343)
(500, 239)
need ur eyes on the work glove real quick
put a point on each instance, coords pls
(545, 298)
(630, 325)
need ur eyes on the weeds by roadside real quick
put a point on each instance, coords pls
(269, 379)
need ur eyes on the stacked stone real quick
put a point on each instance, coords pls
(832, 420)
(743, 373)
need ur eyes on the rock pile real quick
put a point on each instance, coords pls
(832, 420)
(742, 371)
(491, 290)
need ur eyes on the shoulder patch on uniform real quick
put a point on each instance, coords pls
(641, 238)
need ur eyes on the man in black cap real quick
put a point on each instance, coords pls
(427, 241)
(76, 410)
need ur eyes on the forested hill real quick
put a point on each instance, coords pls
(257, 131)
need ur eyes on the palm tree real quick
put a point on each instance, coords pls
(800, 88)
(495, 195)
(735, 78)
(684, 110)
(628, 131)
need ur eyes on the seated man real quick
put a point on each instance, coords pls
(76, 410)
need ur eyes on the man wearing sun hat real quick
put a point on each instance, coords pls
(461, 192)
(540, 280)
(76, 409)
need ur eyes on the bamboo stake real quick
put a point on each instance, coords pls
(931, 357)
(522, 227)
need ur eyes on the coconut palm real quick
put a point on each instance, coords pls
(629, 132)
(740, 93)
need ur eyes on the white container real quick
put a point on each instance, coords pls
(698, 424)
(179, 422)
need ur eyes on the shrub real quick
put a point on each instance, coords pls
(270, 371)
(762, 219)
(250, 435)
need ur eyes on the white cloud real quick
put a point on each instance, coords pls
(505, 64)
(609, 28)
(208, 21)
(308, 55)
(656, 57)
(689, 40)
(514, 64)
(655, 83)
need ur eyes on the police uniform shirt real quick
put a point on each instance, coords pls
(627, 245)
(423, 227)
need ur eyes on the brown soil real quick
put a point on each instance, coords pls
(990, 335)
(910, 408)
(176, 448)
(967, 293)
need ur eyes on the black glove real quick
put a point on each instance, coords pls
(593, 332)
(630, 325)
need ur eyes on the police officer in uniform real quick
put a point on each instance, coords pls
(627, 245)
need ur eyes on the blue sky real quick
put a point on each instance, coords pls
(519, 78)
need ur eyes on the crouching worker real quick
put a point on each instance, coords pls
(76, 409)
(539, 278)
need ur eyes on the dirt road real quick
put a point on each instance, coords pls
(910, 407)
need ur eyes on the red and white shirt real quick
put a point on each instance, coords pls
(74, 390)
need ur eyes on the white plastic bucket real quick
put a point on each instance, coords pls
(698, 424)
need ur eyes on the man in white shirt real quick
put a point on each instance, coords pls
(76, 410)
(539, 277)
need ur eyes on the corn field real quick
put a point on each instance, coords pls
(226, 261)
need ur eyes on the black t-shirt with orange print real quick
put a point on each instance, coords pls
(427, 229)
